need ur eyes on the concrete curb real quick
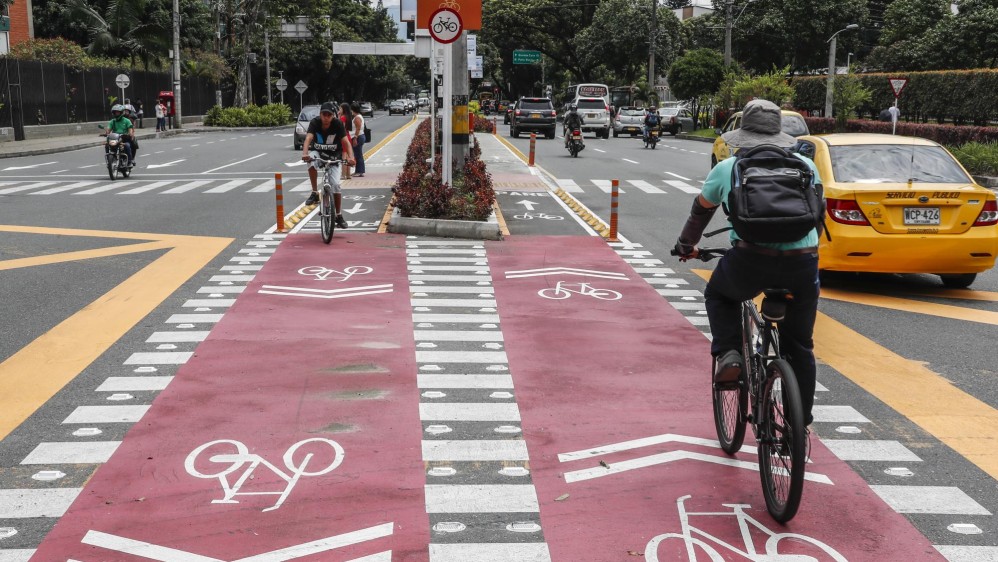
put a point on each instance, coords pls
(444, 228)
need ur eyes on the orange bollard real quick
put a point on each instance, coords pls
(533, 143)
(615, 185)
(279, 190)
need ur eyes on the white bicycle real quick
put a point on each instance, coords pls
(562, 290)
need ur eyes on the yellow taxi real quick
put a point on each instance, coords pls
(792, 123)
(902, 205)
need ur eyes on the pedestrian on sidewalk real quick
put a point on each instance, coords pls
(358, 140)
(160, 115)
(138, 112)
(346, 116)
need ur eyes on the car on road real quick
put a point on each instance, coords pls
(410, 104)
(423, 103)
(307, 113)
(507, 116)
(792, 124)
(901, 205)
(629, 120)
(367, 109)
(675, 120)
(595, 116)
(533, 115)
(398, 106)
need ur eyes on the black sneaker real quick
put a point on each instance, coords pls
(729, 367)
(313, 199)
(340, 222)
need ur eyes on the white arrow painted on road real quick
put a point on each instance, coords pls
(90, 166)
(27, 167)
(295, 163)
(150, 166)
(355, 209)
(528, 204)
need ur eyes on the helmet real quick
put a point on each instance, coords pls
(117, 108)
(572, 107)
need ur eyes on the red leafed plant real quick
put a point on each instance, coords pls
(422, 193)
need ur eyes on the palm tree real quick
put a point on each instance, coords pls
(126, 30)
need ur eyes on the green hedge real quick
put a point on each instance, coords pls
(951, 135)
(270, 115)
(960, 96)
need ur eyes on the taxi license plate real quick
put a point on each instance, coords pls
(591, 115)
(921, 215)
(535, 115)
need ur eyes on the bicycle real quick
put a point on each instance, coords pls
(327, 215)
(769, 386)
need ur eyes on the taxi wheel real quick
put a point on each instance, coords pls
(958, 281)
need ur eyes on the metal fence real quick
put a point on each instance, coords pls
(38, 93)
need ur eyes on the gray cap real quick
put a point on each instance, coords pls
(761, 124)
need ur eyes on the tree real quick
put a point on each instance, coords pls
(123, 30)
(697, 73)
(772, 86)
(849, 95)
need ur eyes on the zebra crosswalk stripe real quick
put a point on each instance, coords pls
(188, 186)
(228, 186)
(35, 185)
(606, 186)
(569, 186)
(145, 188)
(103, 188)
(683, 186)
(264, 187)
(62, 188)
(645, 186)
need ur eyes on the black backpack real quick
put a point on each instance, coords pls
(774, 197)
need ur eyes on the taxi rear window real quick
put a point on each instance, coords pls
(894, 163)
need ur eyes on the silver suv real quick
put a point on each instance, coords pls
(595, 116)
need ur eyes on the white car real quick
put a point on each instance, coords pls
(595, 116)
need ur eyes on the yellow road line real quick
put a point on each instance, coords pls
(33, 375)
(908, 305)
(960, 294)
(503, 229)
(388, 139)
(961, 421)
(510, 146)
(83, 255)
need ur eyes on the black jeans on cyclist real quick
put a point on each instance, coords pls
(742, 274)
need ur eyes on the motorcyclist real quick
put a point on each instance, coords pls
(651, 121)
(123, 126)
(573, 121)
(130, 114)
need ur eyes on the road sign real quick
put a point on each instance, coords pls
(445, 25)
(475, 63)
(301, 87)
(122, 81)
(526, 57)
(898, 84)
(282, 84)
(477, 73)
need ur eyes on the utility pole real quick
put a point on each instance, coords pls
(727, 33)
(266, 53)
(651, 45)
(177, 119)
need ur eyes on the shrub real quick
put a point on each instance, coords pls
(270, 115)
(980, 159)
(483, 125)
(420, 193)
(951, 135)
(57, 50)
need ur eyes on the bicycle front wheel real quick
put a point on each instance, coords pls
(782, 446)
(326, 214)
(730, 403)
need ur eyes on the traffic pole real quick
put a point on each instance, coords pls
(533, 143)
(615, 185)
(279, 190)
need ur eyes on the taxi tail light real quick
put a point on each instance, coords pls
(989, 214)
(846, 211)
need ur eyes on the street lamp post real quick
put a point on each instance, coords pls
(729, 24)
(848, 62)
(831, 67)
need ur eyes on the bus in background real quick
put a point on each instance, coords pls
(621, 96)
(576, 91)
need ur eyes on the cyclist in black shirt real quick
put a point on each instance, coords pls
(327, 137)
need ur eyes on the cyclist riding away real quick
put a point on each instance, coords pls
(123, 126)
(749, 267)
(573, 121)
(326, 137)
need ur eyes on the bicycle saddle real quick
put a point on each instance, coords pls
(774, 304)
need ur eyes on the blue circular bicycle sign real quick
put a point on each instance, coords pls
(445, 25)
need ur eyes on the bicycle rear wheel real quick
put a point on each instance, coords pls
(729, 405)
(326, 215)
(782, 444)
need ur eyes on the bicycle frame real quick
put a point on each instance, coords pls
(760, 345)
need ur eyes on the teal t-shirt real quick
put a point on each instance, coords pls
(120, 125)
(717, 186)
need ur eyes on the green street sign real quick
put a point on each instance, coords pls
(526, 57)
(4, 23)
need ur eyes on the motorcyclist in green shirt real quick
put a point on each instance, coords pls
(123, 126)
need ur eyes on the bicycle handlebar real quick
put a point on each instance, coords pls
(704, 254)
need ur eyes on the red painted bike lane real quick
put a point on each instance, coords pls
(613, 389)
(273, 442)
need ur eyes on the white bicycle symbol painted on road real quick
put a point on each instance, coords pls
(323, 273)
(771, 554)
(235, 456)
(545, 216)
(562, 290)
(363, 197)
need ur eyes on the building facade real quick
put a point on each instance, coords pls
(16, 25)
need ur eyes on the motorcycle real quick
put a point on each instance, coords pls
(651, 137)
(575, 144)
(116, 156)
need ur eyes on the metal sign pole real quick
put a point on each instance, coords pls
(448, 124)
(433, 102)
